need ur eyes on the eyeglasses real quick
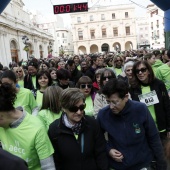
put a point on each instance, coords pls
(109, 77)
(83, 86)
(76, 108)
(113, 103)
(143, 70)
(19, 71)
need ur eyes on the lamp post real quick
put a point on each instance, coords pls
(50, 47)
(25, 40)
(61, 51)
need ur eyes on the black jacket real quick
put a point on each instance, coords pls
(162, 109)
(28, 84)
(68, 153)
(75, 75)
(11, 162)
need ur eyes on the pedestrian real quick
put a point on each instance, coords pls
(77, 139)
(133, 139)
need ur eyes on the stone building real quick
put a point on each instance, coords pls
(108, 28)
(16, 29)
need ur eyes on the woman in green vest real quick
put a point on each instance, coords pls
(43, 80)
(86, 87)
(51, 109)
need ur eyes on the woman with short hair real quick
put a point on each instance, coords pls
(100, 100)
(77, 139)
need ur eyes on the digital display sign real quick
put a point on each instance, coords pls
(70, 8)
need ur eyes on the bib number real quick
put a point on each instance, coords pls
(149, 99)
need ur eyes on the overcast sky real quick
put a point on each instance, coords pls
(46, 6)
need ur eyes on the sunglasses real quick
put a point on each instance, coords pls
(109, 77)
(75, 108)
(118, 61)
(19, 71)
(83, 86)
(142, 70)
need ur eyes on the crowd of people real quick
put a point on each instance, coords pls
(87, 112)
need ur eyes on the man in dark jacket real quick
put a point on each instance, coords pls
(75, 73)
(11, 162)
(133, 139)
(30, 78)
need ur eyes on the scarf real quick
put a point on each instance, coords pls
(76, 128)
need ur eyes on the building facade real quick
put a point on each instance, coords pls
(15, 25)
(103, 29)
(156, 25)
(143, 35)
(63, 40)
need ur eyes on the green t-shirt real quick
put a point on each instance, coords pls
(34, 81)
(78, 67)
(89, 110)
(163, 73)
(146, 89)
(39, 98)
(21, 83)
(151, 108)
(28, 141)
(47, 117)
(25, 99)
(118, 71)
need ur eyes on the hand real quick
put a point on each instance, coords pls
(116, 155)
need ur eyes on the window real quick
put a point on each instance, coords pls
(104, 32)
(152, 25)
(158, 33)
(113, 16)
(102, 17)
(146, 35)
(127, 30)
(91, 17)
(154, 12)
(141, 35)
(126, 15)
(92, 33)
(58, 34)
(80, 35)
(141, 29)
(157, 23)
(79, 19)
(152, 35)
(146, 28)
(62, 35)
(115, 32)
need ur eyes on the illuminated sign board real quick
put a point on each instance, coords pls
(69, 8)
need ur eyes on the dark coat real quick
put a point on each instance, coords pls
(11, 162)
(68, 150)
(162, 109)
(75, 75)
(28, 82)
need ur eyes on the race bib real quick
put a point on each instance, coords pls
(149, 99)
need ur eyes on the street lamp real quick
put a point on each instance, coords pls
(50, 47)
(61, 50)
(25, 41)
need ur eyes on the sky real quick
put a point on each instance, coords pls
(46, 6)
